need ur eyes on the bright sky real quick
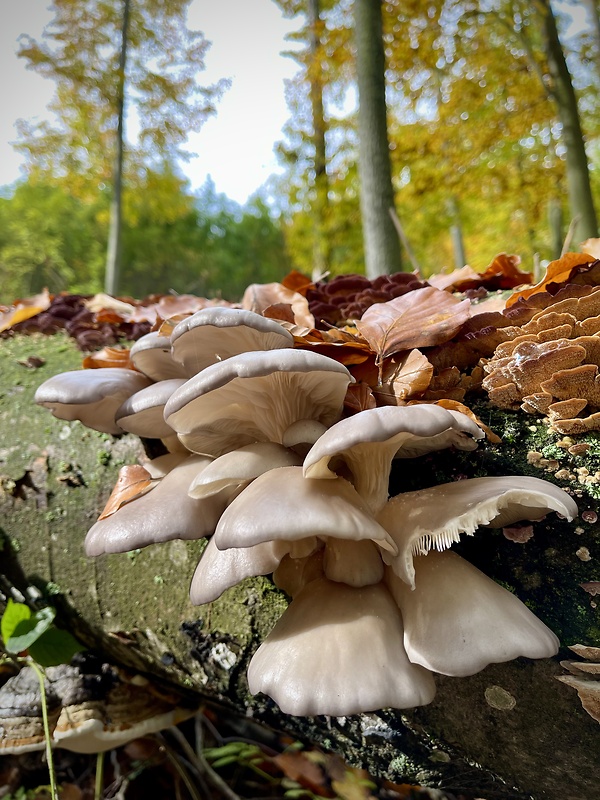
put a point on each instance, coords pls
(236, 146)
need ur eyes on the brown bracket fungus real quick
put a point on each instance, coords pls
(89, 713)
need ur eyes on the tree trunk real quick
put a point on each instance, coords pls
(511, 732)
(581, 202)
(113, 255)
(320, 188)
(382, 248)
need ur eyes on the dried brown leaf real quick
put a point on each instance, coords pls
(403, 378)
(22, 310)
(133, 481)
(559, 271)
(107, 357)
(421, 318)
(359, 397)
(259, 296)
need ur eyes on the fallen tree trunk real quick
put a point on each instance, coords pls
(511, 731)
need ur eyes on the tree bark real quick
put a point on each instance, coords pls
(382, 248)
(579, 189)
(511, 732)
(320, 200)
(113, 255)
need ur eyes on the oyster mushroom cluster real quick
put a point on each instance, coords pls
(261, 460)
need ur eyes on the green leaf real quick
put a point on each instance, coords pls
(54, 647)
(13, 614)
(28, 631)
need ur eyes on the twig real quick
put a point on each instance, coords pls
(404, 239)
(570, 233)
(203, 767)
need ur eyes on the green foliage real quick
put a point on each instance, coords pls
(172, 240)
(23, 631)
(49, 238)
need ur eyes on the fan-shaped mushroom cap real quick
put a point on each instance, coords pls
(142, 412)
(256, 396)
(338, 650)
(434, 518)
(368, 441)
(283, 505)
(457, 620)
(90, 395)
(214, 334)
(151, 354)
(219, 570)
(238, 468)
(164, 513)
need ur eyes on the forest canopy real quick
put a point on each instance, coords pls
(483, 158)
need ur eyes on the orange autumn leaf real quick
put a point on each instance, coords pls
(403, 377)
(107, 357)
(559, 271)
(335, 343)
(297, 282)
(421, 318)
(24, 309)
(133, 481)
(454, 405)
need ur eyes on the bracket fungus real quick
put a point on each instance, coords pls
(91, 709)
(354, 562)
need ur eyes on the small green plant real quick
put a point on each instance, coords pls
(31, 638)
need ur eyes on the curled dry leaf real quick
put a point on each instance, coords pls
(259, 296)
(591, 247)
(404, 377)
(421, 318)
(359, 397)
(297, 282)
(453, 405)
(341, 345)
(107, 357)
(560, 271)
(24, 309)
(133, 481)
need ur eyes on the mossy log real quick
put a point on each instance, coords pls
(512, 731)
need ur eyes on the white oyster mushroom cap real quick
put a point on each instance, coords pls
(241, 466)
(142, 412)
(162, 514)
(283, 505)
(354, 563)
(90, 395)
(367, 442)
(214, 334)
(151, 354)
(457, 620)
(219, 570)
(256, 396)
(434, 518)
(338, 650)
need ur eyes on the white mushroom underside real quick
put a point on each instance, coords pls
(337, 651)
(457, 620)
(435, 518)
